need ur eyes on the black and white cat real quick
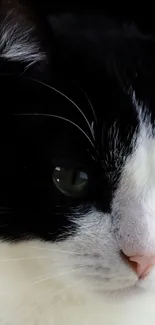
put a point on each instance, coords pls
(77, 176)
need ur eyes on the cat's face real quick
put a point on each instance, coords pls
(86, 189)
(81, 178)
(120, 214)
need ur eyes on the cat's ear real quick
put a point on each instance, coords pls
(24, 37)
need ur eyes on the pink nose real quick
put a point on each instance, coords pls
(142, 265)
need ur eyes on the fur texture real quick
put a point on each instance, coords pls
(62, 237)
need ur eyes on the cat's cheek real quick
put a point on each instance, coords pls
(97, 254)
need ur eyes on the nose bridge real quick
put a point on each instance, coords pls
(134, 200)
(136, 230)
(137, 234)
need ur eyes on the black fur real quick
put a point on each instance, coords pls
(108, 57)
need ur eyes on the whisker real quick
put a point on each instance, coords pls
(51, 297)
(23, 259)
(63, 290)
(28, 66)
(48, 275)
(89, 101)
(61, 118)
(57, 275)
(55, 250)
(41, 277)
(69, 99)
(65, 96)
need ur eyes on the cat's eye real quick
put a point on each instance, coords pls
(70, 182)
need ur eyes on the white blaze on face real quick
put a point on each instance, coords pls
(134, 202)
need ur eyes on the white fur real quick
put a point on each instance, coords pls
(63, 299)
(17, 42)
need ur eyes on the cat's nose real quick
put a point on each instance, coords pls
(142, 265)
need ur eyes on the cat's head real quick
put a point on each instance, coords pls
(77, 169)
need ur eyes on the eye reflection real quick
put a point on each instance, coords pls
(70, 182)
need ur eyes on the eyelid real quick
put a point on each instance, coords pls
(73, 162)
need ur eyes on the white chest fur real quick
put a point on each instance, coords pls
(32, 293)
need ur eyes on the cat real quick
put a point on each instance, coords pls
(77, 186)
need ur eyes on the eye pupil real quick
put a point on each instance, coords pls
(70, 182)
